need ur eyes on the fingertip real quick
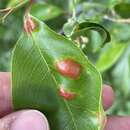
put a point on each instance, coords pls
(118, 123)
(5, 94)
(25, 120)
(108, 96)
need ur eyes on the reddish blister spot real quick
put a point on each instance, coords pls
(69, 68)
(66, 95)
(29, 24)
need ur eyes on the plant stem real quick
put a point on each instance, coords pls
(5, 10)
(117, 20)
(4, 17)
(74, 8)
(29, 8)
(20, 4)
(8, 11)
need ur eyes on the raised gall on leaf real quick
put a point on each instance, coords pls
(69, 68)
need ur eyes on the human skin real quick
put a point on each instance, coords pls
(35, 120)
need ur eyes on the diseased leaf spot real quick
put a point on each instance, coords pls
(69, 68)
(29, 24)
(66, 95)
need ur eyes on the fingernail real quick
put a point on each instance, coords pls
(31, 120)
(108, 96)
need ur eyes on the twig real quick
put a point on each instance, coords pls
(29, 8)
(4, 17)
(117, 20)
(74, 9)
(5, 10)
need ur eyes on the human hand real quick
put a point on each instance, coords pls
(34, 120)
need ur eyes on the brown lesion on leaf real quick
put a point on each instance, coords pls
(69, 68)
(67, 95)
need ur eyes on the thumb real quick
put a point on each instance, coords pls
(24, 120)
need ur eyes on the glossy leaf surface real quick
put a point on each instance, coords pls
(110, 55)
(38, 84)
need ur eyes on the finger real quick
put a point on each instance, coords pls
(5, 94)
(108, 96)
(118, 123)
(24, 120)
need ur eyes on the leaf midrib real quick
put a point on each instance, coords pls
(66, 104)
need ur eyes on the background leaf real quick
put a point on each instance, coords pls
(45, 11)
(63, 4)
(123, 9)
(14, 3)
(83, 30)
(69, 26)
(121, 73)
(110, 55)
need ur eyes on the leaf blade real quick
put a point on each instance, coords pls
(45, 11)
(50, 48)
(110, 56)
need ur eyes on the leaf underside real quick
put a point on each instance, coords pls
(83, 28)
(36, 81)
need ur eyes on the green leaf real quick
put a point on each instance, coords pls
(121, 74)
(109, 56)
(123, 9)
(36, 81)
(16, 3)
(69, 26)
(84, 28)
(63, 4)
(45, 11)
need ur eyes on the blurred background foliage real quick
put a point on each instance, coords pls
(112, 60)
